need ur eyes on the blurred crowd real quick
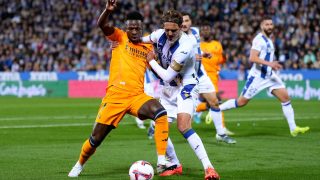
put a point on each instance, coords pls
(61, 35)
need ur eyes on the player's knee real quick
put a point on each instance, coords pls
(214, 103)
(159, 113)
(241, 102)
(182, 127)
(95, 141)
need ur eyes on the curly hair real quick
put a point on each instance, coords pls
(173, 16)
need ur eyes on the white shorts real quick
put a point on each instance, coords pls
(256, 84)
(205, 85)
(179, 99)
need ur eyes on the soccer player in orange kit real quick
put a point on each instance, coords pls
(125, 90)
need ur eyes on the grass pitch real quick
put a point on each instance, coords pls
(40, 138)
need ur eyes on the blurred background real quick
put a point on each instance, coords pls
(61, 37)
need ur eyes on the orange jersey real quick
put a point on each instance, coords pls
(127, 67)
(212, 65)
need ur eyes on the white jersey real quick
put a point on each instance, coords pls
(181, 51)
(261, 76)
(265, 46)
(177, 97)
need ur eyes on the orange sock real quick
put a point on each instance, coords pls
(223, 124)
(86, 151)
(202, 107)
(161, 134)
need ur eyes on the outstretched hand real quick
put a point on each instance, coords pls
(111, 5)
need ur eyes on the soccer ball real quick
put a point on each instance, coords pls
(141, 170)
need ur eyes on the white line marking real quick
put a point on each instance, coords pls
(45, 126)
(45, 118)
(124, 122)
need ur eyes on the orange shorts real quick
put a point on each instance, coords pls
(111, 113)
(214, 79)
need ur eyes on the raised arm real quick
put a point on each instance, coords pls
(103, 21)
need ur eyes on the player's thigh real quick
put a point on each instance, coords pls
(211, 98)
(186, 99)
(144, 107)
(278, 89)
(281, 94)
(111, 113)
(253, 86)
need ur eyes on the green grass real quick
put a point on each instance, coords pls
(40, 138)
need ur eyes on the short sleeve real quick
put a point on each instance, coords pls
(116, 35)
(182, 54)
(256, 44)
(155, 35)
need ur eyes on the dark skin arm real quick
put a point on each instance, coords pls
(103, 21)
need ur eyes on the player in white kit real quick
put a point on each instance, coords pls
(263, 75)
(206, 88)
(176, 69)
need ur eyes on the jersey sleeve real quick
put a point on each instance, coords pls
(182, 54)
(116, 35)
(256, 44)
(155, 35)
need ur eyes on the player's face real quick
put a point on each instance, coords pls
(186, 24)
(267, 27)
(172, 31)
(205, 32)
(134, 30)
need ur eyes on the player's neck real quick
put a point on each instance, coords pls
(263, 33)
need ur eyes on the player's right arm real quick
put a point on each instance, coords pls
(254, 56)
(153, 37)
(103, 21)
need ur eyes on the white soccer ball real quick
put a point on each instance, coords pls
(141, 170)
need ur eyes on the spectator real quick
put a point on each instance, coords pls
(43, 35)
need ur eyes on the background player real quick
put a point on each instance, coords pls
(125, 92)
(263, 75)
(212, 65)
(176, 69)
(206, 89)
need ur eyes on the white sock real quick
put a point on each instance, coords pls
(161, 159)
(217, 120)
(171, 153)
(138, 121)
(230, 104)
(198, 147)
(289, 114)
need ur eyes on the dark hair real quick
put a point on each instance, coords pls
(184, 13)
(135, 15)
(173, 16)
(266, 17)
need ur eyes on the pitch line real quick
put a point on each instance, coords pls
(130, 122)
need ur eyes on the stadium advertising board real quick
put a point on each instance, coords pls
(87, 89)
(308, 89)
(34, 89)
(54, 76)
(285, 75)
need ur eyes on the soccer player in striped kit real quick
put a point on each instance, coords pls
(263, 74)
